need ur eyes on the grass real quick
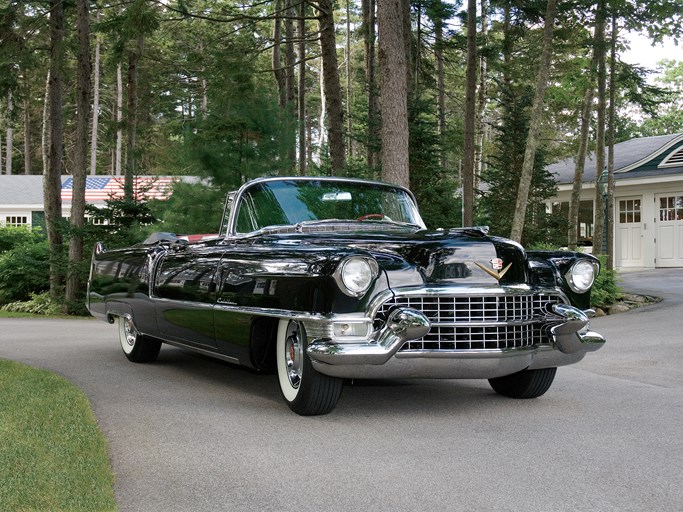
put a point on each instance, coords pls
(52, 453)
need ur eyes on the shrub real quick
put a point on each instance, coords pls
(39, 304)
(11, 237)
(24, 269)
(605, 290)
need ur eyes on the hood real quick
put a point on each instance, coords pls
(428, 257)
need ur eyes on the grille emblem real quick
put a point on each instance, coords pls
(497, 265)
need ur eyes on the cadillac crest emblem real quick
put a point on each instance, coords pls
(497, 265)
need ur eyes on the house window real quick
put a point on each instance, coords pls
(629, 211)
(671, 208)
(16, 221)
(96, 221)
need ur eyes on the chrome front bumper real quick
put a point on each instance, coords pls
(380, 357)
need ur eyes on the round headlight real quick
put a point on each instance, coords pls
(581, 276)
(356, 275)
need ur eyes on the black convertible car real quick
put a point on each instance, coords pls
(325, 279)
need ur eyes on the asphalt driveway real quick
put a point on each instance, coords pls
(189, 433)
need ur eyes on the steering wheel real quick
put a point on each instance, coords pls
(371, 216)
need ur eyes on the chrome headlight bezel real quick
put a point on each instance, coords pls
(581, 275)
(355, 275)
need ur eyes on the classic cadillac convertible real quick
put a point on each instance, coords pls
(325, 279)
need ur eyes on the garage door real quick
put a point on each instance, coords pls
(629, 232)
(670, 230)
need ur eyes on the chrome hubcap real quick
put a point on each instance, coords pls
(293, 355)
(129, 330)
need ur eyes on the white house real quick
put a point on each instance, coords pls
(21, 196)
(648, 200)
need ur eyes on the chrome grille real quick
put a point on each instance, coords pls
(479, 322)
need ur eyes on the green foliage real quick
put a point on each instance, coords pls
(52, 453)
(38, 304)
(502, 175)
(24, 269)
(120, 223)
(605, 290)
(11, 237)
(193, 208)
(434, 188)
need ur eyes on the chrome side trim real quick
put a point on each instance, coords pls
(210, 353)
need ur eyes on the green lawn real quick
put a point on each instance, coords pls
(52, 453)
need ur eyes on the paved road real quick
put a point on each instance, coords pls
(188, 433)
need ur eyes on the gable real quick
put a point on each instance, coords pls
(674, 158)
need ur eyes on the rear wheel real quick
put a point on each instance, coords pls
(136, 347)
(306, 391)
(524, 384)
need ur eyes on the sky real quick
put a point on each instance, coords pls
(644, 54)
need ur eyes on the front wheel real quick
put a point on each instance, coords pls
(524, 384)
(306, 391)
(136, 347)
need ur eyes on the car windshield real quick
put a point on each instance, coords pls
(290, 202)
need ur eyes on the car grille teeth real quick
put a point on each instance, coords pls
(480, 322)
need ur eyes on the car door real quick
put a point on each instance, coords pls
(185, 292)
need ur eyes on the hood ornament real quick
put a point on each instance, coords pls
(496, 265)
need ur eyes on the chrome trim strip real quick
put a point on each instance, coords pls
(467, 354)
(202, 351)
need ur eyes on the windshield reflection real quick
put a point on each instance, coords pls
(291, 202)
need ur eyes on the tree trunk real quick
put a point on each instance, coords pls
(118, 155)
(440, 88)
(349, 121)
(131, 124)
(600, 49)
(470, 115)
(9, 138)
(575, 200)
(52, 183)
(301, 27)
(277, 58)
(290, 82)
(45, 131)
(586, 112)
(368, 7)
(418, 45)
(95, 101)
(28, 161)
(481, 98)
(534, 124)
(83, 71)
(322, 132)
(394, 92)
(333, 93)
(610, 143)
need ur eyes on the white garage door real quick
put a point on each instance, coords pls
(629, 232)
(670, 230)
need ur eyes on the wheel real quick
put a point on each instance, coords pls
(136, 347)
(524, 384)
(306, 391)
